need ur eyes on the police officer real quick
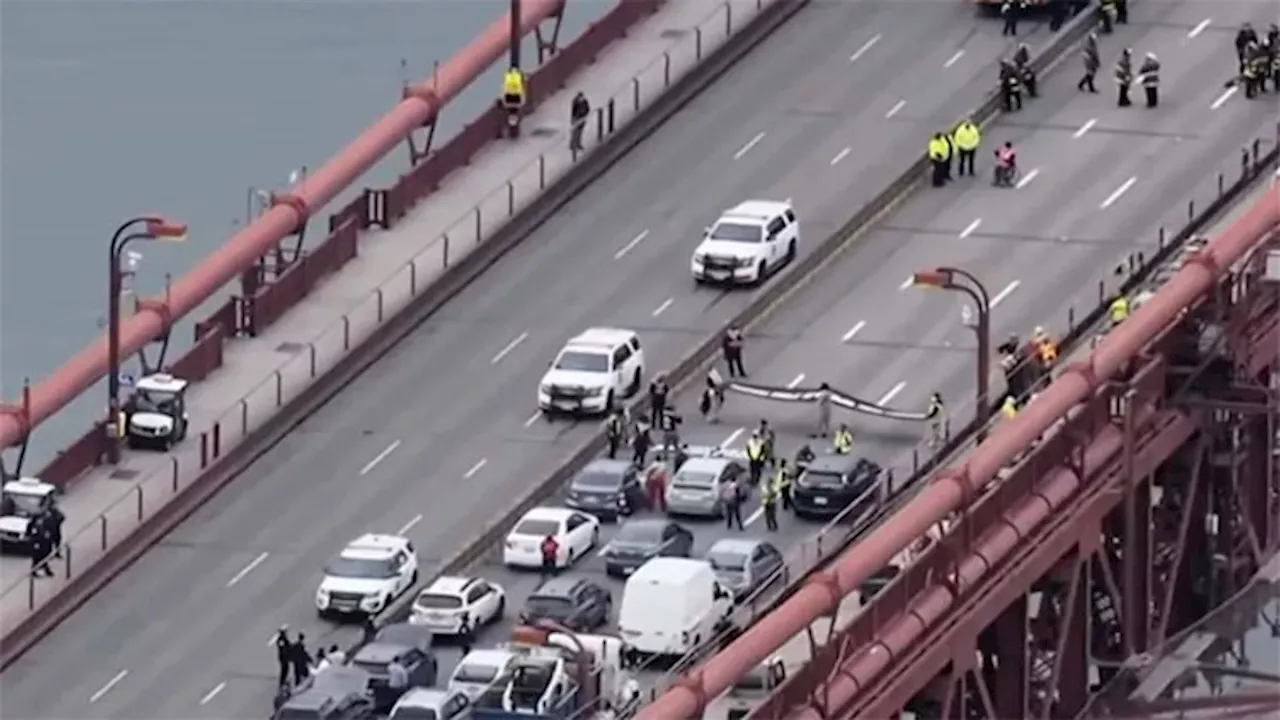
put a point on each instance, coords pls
(1089, 53)
(658, 392)
(1122, 12)
(755, 457)
(300, 659)
(804, 456)
(284, 656)
(1273, 49)
(579, 111)
(41, 550)
(1009, 408)
(967, 138)
(1149, 76)
(731, 345)
(1118, 311)
(1010, 86)
(1107, 15)
(937, 414)
(1022, 63)
(782, 483)
(53, 520)
(1057, 14)
(1245, 37)
(824, 410)
(770, 438)
(938, 159)
(1011, 11)
(513, 97)
(769, 506)
(670, 427)
(1249, 71)
(615, 430)
(842, 443)
(640, 442)
(1259, 68)
(1124, 77)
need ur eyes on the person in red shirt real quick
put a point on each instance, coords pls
(655, 485)
(550, 549)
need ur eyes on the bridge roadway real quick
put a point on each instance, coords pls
(183, 633)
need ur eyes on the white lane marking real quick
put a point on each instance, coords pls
(409, 525)
(970, 228)
(954, 59)
(603, 549)
(894, 110)
(887, 397)
(795, 381)
(841, 155)
(212, 693)
(510, 346)
(747, 148)
(533, 418)
(107, 688)
(247, 569)
(1115, 195)
(663, 307)
(1026, 179)
(379, 458)
(865, 47)
(1005, 293)
(911, 280)
(1085, 128)
(476, 468)
(732, 436)
(631, 245)
(1224, 97)
(1199, 28)
(754, 516)
(854, 331)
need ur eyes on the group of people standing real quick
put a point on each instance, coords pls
(1258, 60)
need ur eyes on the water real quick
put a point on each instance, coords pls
(113, 108)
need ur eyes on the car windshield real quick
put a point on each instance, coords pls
(582, 361)
(294, 713)
(553, 608)
(642, 532)
(822, 479)
(476, 672)
(361, 568)
(737, 232)
(439, 602)
(156, 401)
(540, 528)
(24, 505)
(409, 712)
(694, 479)
(595, 480)
(373, 668)
(727, 560)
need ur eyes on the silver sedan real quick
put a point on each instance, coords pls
(697, 485)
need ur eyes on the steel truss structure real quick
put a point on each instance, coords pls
(1155, 502)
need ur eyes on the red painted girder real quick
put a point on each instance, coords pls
(950, 487)
(420, 105)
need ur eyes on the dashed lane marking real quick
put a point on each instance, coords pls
(247, 569)
(1085, 128)
(631, 245)
(662, 308)
(1199, 28)
(1224, 97)
(911, 280)
(841, 155)
(1005, 293)
(854, 331)
(732, 436)
(795, 381)
(894, 110)
(379, 458)
(953, 59)
(750, 144)
(893, 393)
(510, 346)
(533, 418)
(865, 47)
(476, 468)
(1117, 193)
(409, 525)
(107, 688)
(212, 693)
(1026, 179)
(970, 228)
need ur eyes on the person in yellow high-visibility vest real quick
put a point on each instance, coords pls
(1119, 310)
(1009, 410)
(967, 138)
(513, 98)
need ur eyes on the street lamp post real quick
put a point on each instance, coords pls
(152, 228)
(956, 280)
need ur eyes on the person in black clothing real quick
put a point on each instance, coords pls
(1124, 77)
(1010, 86)
(732, 347)
(1057, 14)
(300, 659)
(658, 393)
(1011, 11)
(1149, 76)
(53, 522)
(284, 656)
(368, 629)
(1107, 13)
(614, 431)
(1022, 63)
(41, 550)
(1091, 63)
(640, 443)
(579, 111)
(1122, 12)
(1245, 37)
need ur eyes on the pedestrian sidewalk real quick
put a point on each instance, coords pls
(262, 374)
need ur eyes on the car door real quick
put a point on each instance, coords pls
(621, 356)
(477, 607)
(404, 572)
(455, 707)
(579, 533)
(775, 240)
(631, 489)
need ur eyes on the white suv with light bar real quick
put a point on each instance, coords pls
(748, 243)
(593, 372)
(367, 575)
(458, 605)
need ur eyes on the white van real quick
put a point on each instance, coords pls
(672, 605)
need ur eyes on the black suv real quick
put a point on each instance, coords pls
(607, 489)
(318, 703)
(576, 603)
(831, 483)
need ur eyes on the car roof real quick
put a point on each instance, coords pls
(704, 464)
(404, 634)
(669, 569)
(489, 655)
(372, 546)
(756, 210)
(381, 653)
(449, 585)
(161, 382)
(833, 463)
(611, 337)
(424, 697)
(737, 545)
(558, 514)
(558, 586)
(29, 486)
(606, 465)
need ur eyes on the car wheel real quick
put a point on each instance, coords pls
(762, 272)
(635, 383)
(608, 402)
(595, 537)
(501, 611)
(791, 252)
(413, 579)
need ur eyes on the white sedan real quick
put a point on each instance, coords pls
(458, 605)
(575, 534)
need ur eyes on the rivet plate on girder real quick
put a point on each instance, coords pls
(123, 474)
(290, 348)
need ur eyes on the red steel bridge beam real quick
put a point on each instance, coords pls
(289, 212)
(1112, 535)
(954, 488)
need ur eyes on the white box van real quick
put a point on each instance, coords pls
(671, 606)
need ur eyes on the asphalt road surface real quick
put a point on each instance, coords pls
(183, 633)
(178, 108)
